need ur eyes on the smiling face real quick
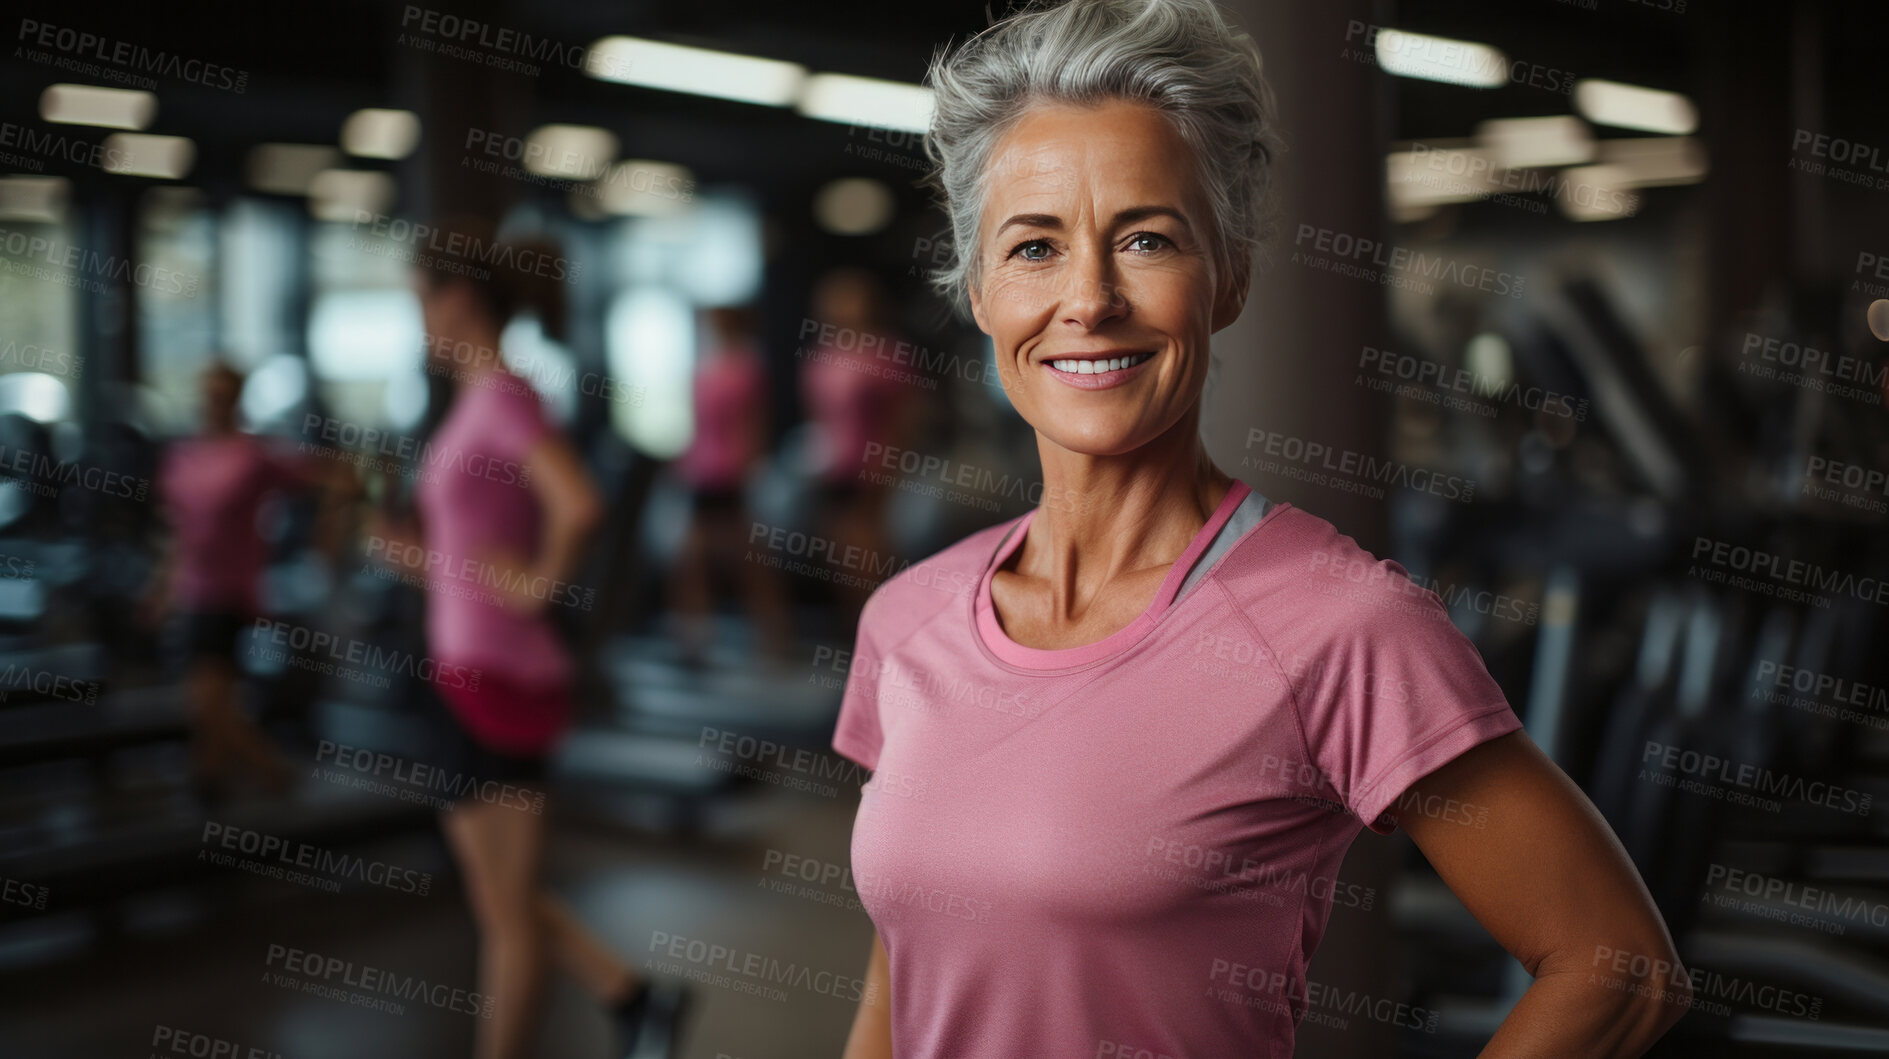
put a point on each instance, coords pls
(1096, 275)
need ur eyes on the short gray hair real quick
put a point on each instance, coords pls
(1185, 58)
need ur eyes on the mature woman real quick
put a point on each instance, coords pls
(1121, 744)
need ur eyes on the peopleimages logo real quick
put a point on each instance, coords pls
(367, 763)
(336, 979)
(463, 247)
(72, 265)
(381, 661)
(1746, 776)
(80, 45)
(1401, 264)
(275, 857)
(1799, 579)
(170, 1040)
(1322, 464)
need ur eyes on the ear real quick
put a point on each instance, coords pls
(977, 308)
(1230, 299)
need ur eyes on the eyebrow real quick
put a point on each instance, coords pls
(1127, 216)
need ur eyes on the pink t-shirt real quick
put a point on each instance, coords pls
(729, 390)
(475, 499)
(213, 489)
(1130, 847)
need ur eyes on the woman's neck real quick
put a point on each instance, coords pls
(1106, 516)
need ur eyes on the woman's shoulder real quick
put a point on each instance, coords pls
(1307, 572)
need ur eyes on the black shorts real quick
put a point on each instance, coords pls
(465, 762)
(213, 633)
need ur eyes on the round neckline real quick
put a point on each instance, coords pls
(991, 632)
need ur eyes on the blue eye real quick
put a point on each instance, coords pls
(1024, 248)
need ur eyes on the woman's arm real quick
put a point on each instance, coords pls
(572, 509)
(871, 1037)
(1550, 881)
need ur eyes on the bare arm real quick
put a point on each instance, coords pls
(871, 1037)
(571, 506)
(571, 510)
(1550, 881)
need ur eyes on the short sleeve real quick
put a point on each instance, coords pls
(1390, 691)
(858, 735)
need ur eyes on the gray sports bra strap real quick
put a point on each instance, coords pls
(1253, 507)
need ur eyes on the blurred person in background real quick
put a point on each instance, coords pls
(730, 402)
(856, 386)
(1169, 672)
(505, 508)
(213, 487)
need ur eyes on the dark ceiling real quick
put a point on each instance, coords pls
(311, 64)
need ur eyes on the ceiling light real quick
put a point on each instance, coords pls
(572, 152)
(287, 168)
(854, 206)
(142, 154)
(698, 71)
(867, 101)
(345, 194)
(1633, 107)
(1656, 161)
(112, 108)
(39, 199)
(638, 187)
(380, 133)
(1456, 62)
(1524, 143)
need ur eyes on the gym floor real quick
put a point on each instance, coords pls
(195, 962)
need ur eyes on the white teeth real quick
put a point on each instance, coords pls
(1096, 367)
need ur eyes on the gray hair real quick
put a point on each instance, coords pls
(1184, 57)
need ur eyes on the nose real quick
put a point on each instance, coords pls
(1093, 294)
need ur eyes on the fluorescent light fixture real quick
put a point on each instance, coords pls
(1633, 107)
(853, 206)
(572, 152)
(142, 154)
(1437, 172)
(867, 101)
(1597, 193)
(287, 168)
(112, 108)
(697, 71)
(642, 188)
(1527, 143)
(34, 199)
(1657, 161)
(380, 133)
(1455, 62)
(341, 194)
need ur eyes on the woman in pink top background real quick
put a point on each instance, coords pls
(855, 389)
(1121, 744)
(731, 428)
(213, 487)
(506, 507)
